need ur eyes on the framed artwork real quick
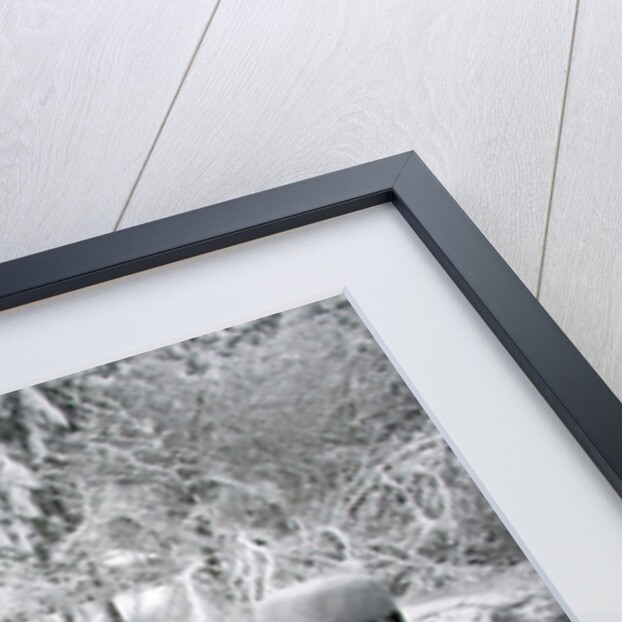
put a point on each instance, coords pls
(325, 401)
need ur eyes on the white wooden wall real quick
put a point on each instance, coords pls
(115, 113)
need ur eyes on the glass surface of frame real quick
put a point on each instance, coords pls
(549, 494)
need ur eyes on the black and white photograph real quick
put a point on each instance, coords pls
(279, 470)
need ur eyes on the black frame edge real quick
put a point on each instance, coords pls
(153, 244)
(569, 384)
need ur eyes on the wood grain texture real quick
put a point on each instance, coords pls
(582, 271)
(84, 87)
(282, 91)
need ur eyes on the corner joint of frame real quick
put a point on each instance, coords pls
(408, 155)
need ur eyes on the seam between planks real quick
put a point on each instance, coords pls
(547, 219)
(167, 115)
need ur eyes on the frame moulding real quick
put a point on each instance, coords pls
(572, 388)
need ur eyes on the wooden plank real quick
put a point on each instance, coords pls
(84, 87)
(282, 91)
(582, 275)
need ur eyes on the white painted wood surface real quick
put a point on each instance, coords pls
(278, 92)
(282, 91)
(582, 272)
(84, 87)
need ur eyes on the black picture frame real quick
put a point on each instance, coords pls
(572, 388)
